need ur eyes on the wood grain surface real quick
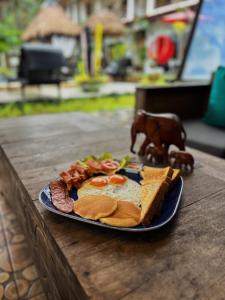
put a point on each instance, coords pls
(185, 260)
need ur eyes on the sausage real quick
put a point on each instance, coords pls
(60, 196)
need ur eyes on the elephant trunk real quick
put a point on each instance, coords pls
(133, 138)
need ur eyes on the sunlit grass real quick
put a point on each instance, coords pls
(108, 103)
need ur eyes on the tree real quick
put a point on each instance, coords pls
(14, 20)
(9, 34)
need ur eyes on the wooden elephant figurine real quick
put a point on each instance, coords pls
(158, 155)
(159, 129)
(182, 158)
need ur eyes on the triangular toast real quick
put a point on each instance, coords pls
(176, 175)
(154, 186)
(152, 197)
(156, 173)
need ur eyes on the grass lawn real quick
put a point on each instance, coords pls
(87, 105)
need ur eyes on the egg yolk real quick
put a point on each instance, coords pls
(99, 181)
(117, 179)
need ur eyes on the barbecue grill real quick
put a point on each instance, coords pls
(40, 64)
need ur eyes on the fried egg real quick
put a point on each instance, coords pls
(129, 190)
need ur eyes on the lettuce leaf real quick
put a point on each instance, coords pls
(124, 161)
(105, 155)
(90, 157)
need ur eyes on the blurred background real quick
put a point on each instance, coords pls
(83, 49)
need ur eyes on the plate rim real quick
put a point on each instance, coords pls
(127, 229)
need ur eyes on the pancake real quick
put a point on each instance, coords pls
(95, 207)
(127, 214)
(128, 191)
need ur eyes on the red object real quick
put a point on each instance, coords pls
(109, 165)
(94, 165)
(60, 196)
(99, 181)
(162, 49)
(117, 179)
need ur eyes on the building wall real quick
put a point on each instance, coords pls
(133, 13)
(127, 10)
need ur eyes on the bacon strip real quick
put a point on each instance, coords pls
(75, 175)
(60, 197)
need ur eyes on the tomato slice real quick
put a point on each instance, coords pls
(99, 181)
(117, 179)
(94, 165)
(109, 165)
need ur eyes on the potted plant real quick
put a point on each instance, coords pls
(90, 83)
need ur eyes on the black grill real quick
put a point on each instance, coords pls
(40, 64)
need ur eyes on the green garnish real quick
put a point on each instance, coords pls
(106, 155)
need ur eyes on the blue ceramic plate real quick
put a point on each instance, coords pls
(169, 209)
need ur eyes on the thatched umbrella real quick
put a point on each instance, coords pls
(111, 23)
(50, 21)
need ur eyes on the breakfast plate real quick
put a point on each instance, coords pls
(169, 209)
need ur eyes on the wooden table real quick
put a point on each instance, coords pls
(186, 260)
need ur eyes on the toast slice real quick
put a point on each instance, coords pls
(154, 186)
(150, 174)
(176, 175)
(156, 173)
(152, 197)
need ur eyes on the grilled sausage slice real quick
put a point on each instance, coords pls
(60, 196)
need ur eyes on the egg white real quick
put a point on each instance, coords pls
(129, 191)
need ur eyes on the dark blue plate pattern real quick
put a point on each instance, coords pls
(169, 208)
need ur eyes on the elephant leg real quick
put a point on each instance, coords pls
(165, 159)
(159, 159)
(186, 167)
(171, 161)
(152, 159)
(178, 164)
(157, 143)
(181, 147)
(143, 146)
(166, 146)
(133, 138)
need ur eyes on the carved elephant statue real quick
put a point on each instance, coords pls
(162, 130)
(181, 158)
(158, 155)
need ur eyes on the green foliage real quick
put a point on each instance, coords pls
(118, 51)
(90, 83)
(153, 79)
(85, 78)
(9, 34)
(25, 11)
(142, 54)
(15, 19)
(109, 103)
(5, 72)
(156, 79)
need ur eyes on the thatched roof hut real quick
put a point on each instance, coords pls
(50, 21)
(111, 23)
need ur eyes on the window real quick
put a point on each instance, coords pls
(140, 8)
